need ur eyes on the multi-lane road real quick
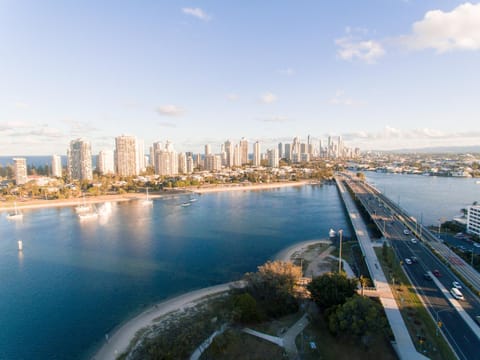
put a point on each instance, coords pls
(456, 317)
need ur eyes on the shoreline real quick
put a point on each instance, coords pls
(122, 335)
(40, 204)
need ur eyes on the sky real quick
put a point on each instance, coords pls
(383, 74)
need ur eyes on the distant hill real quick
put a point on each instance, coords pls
(438, 150)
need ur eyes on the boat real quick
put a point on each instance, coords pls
(83, 208)
(88, 215)
(147, 201)
(331, 233)
(16, 215)
(192, 200)
(185, 204)
(20, 245)
(477, 182)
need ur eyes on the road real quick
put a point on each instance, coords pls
(456, 316)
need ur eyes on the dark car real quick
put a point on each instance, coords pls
(436, 273)
(427, 276)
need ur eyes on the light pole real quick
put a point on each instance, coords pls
(340, 252)
(439, 323)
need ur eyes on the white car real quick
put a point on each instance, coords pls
(476, 244)
(408, 261)
(456, 285)
(414, 241)
(406, 232)
(456, 294)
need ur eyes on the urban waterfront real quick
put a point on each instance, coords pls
(76, 281)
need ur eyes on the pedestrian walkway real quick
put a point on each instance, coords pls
(287, 341)
(404, 345)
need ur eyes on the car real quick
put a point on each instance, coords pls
(427, 276)
(414, 259)
(413, 240)
(477, 245)
(408, 261)
(406, 232)
(457, 294)
(456, 285)
(436, 273)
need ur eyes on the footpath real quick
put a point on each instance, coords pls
(403, 343)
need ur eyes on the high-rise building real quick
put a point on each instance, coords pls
(20, 170)
(473, 220)
(79, 160)
(208, 149)
(229, 153)
(256, 154)
(237, 158)
(280, 150)
(140, 151)
(288, 152)
(182, 163)
(56, 166)
(273, 160)
(190, 165)
(126, 159)
(167, 161)
(105, 162)
(213, 162)
(296, 145)
(243, 151)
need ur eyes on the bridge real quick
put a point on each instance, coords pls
(398, 228)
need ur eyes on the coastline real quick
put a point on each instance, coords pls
(119, 341)
(40, 204)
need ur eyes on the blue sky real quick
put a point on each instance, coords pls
(384, 74)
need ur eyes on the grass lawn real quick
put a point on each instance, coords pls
(419, 323)
(340, 348)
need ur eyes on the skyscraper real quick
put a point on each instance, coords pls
(237, 159)
(56, 166)
(243, 151)
(79, 160)
(105, 162)
(20, 170)
(167, 161)
(140, 151)
(229, 153)
(126, 155)
(280, 150)
(256, 154)
(208, 149)
(273, 160)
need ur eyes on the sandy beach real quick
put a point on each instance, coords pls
(119, 341)
(38, 204)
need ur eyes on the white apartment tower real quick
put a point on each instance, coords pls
(229, 153)
(273, 160)
(126, 159)
(56, 166)
(140, 151)
(105, 162)
(473, 220)
(20, 170)
(182, 163)
(243, 151)
(79, 160)
(256, 154)
(236, 158)
(167, 161)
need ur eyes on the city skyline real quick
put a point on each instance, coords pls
(382, 76)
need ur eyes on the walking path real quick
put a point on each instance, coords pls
(404, 345)
(287, 341)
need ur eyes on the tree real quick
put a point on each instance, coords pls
(359, 316)
(331, 289)
(245, 308)
(272, 286)
(361, 176)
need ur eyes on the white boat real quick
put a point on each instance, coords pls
(16, 215)
(84, 208)
(193, 200)
(185, 204)
(105, 209)
(147, 201)
(332, 233)
(88, 216)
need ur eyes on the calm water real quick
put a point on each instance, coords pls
(76, 281)
(430, 197)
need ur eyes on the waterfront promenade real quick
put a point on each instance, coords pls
(403, 343)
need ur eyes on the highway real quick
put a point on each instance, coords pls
(458, 326)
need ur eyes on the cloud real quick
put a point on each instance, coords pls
(287, 71)
(21, 105)
(351, 48)
(232, 97)
(170, 110)
(268, 98)
(447, 31)
(391, 133)
(167, 124)
(275, 119)
(81, 129)
(22, 129)
(198, 13)
(341, 99)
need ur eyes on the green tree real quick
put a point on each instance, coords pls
(245, 308)
(361, 176)
(359, 316)
(273, 287)
(331, 289)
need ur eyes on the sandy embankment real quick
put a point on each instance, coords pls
(118, 342)
(38, 204)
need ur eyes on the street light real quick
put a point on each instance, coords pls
(439, 324)
(340, 252)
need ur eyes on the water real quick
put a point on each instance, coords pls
(76, 281)
(428, 197)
